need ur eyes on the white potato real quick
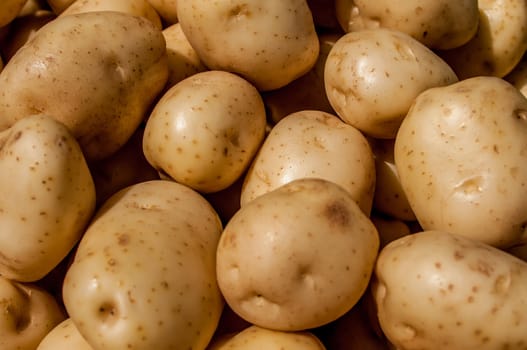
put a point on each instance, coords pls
(270, 43)
(442, 24)
(143, 276)
(205, 130)
(499, 44)
(306, 240)
(313, 144)
(64, 336)
(460, 155)
(465, 295)
(372, 77)
(27, 314)
(48, 197)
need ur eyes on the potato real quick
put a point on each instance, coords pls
(466, 295)
(372, 77)
(65, 336)
(140, 8)
(257, 338)
(205, 130)
(460, 155)
(167, 9)
(499, 44)
(269, 43)
(48, 197)
(183, 60)
(306, 240)
(27, 314)
(9, 9)
(437, 24)
(143, 276)
(313, 144)
(96, 72)
(518, 76)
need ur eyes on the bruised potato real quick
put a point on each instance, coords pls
(306, 241)
(372, 77)
(48, 197)
(460, 155)
(466, 295)
(96, 72)
(64, 336)
(143, 276)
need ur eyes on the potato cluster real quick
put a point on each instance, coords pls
(299, 174)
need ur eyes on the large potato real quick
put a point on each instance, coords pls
(372, 77)
(297, 257)
(270, 43)
(48, 197)
(461, 158)
(466, 295)
(499, 43)
(27, 314)
(96, 72)
(64, 336)
(440, 24)
(205, 130)
(313, 144)
(143, 276)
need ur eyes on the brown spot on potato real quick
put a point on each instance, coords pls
(337, 213)
(458, 255)
(123, 239)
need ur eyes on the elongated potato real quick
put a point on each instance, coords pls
(96, 72)
(143, 276)
(466, 295)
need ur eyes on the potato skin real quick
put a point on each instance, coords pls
(96, 72)
(64, 336)
(143, 276)
(460, 155)
(466, 295)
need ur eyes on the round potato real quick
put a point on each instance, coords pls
(372, 77)
(205, 130)
(64, 336)
(460, 155)
(441, 24)
(48, 197)
(270, 43)
(313, 144)
(27, 314)
(143, 276)
(307, 240)
(466, 295)
(499, 43)
(96, 72)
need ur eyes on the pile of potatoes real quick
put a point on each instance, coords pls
(213, 175)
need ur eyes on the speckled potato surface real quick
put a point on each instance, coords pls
(64, 336)
(466, 295)
(48, 197)
(297, 257)
(460, 155)
(143, 276)
(96, 72)
(205, 130)
(372, 77)
(312, 143)
(270, 43)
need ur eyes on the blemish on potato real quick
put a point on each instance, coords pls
(123, 239)
(337, 213)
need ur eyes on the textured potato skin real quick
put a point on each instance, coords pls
(96, 72)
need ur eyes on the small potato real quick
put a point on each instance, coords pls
(460, 155)
(499, 43)
(96, 72)
(306, 241)
(143, 276)
(372, 77)
(442, 24)
(140, 8)
(518, 76)
(65, 336)
(205, 130)
(27, 314)
(48, 197)
(436, 290)
(313, 144)
(257, 338)
(9, 10)
(270, 43)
